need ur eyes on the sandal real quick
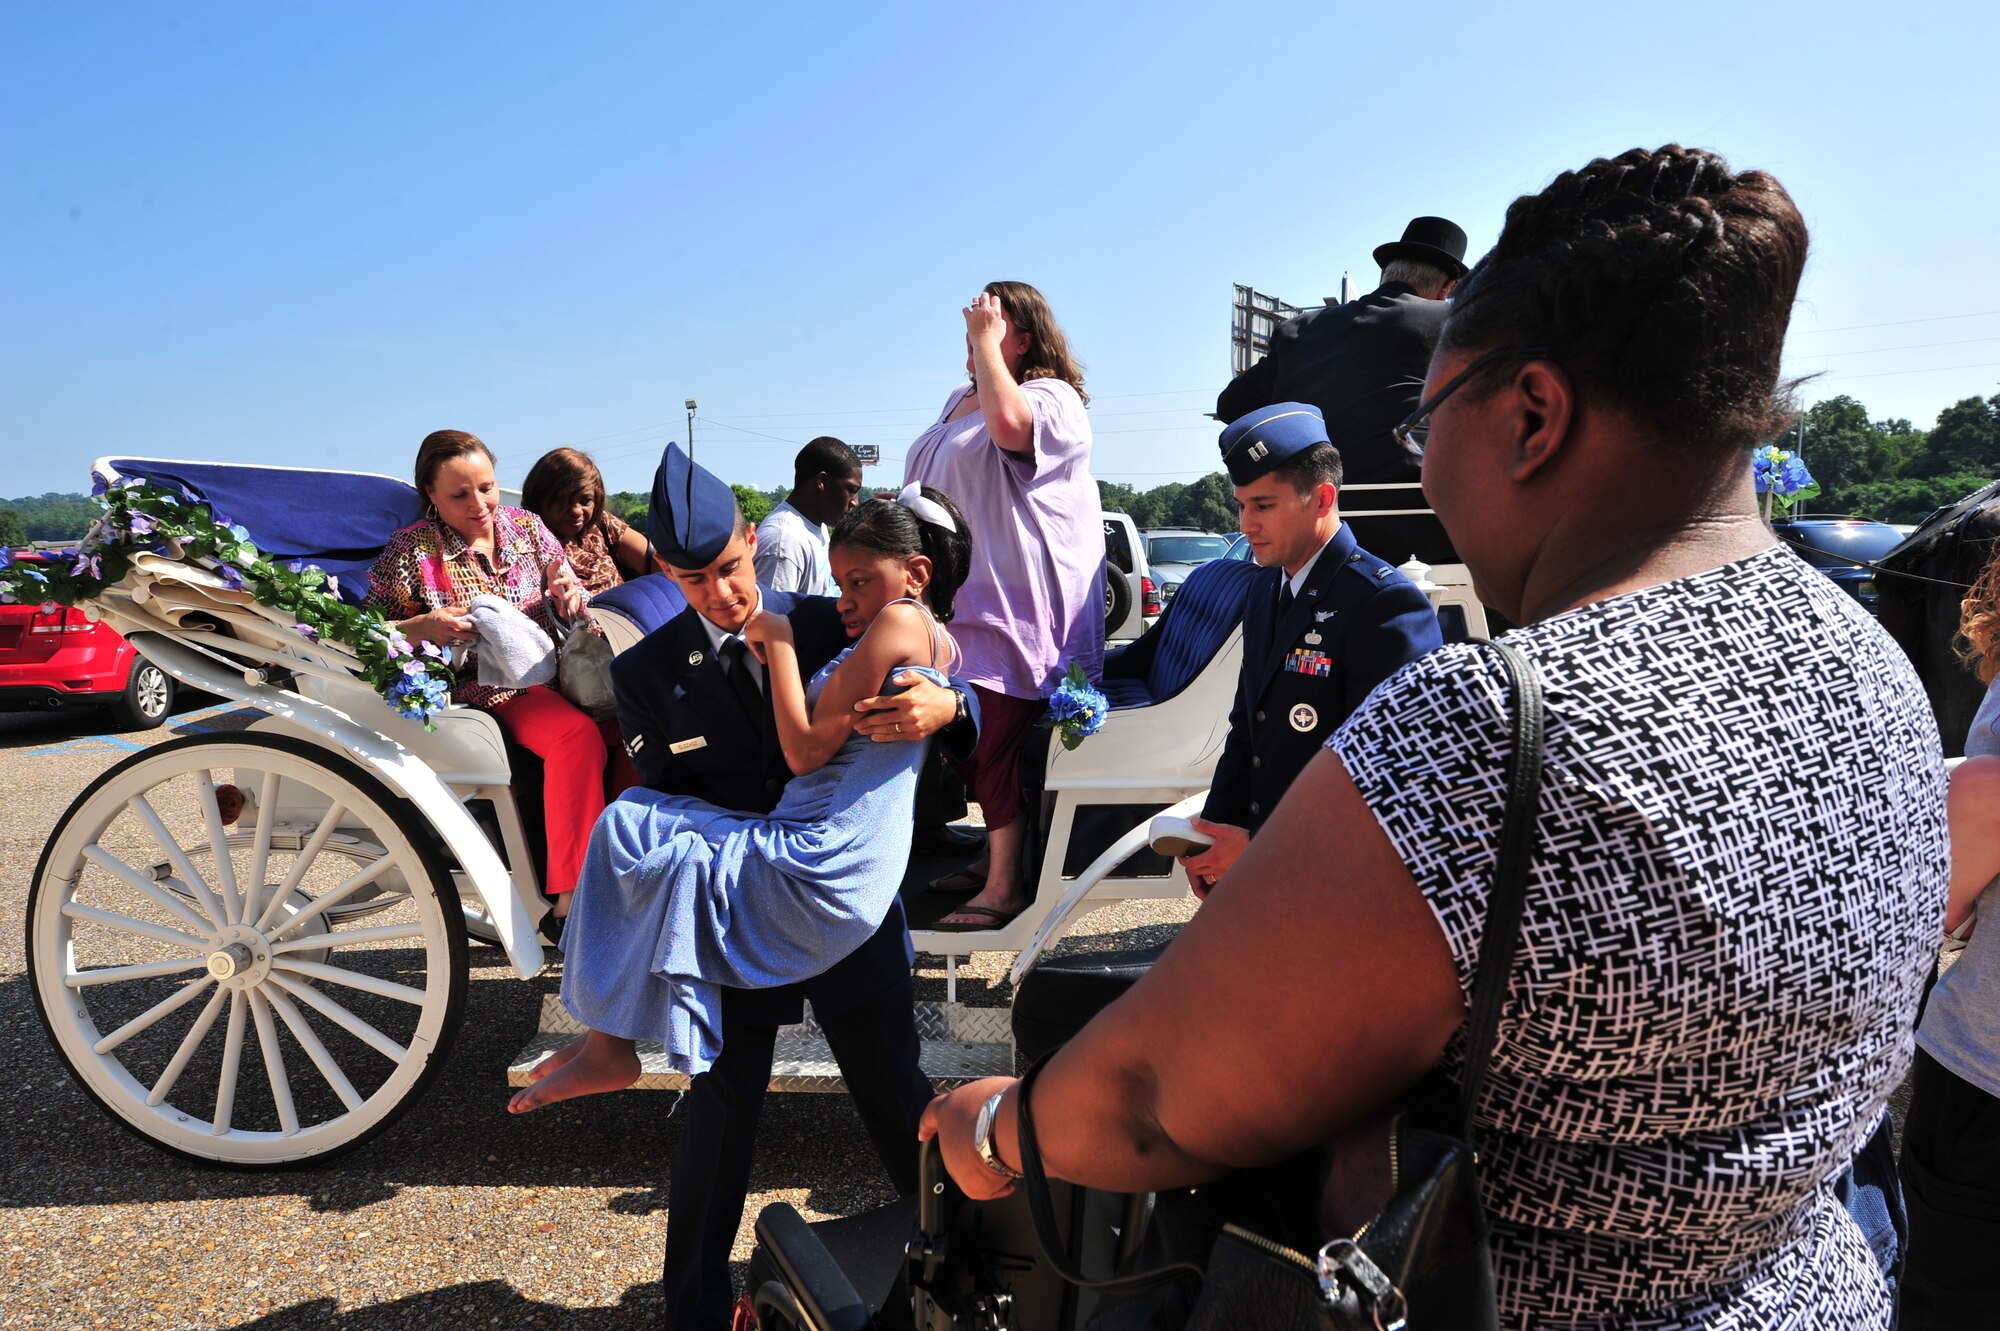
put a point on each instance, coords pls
(991, 918)
(958, 883)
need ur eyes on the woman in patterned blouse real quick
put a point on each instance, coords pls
(469, 543)
(566, 491)
(1742, 855)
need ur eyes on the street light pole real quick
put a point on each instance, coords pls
(691, 410)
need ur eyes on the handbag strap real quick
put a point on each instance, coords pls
(1506, 903)
(1505, 906)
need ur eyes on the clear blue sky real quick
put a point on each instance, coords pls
(310, 233)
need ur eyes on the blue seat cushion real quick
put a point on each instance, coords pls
(1207, 608)
(339, 520)
(648, 602)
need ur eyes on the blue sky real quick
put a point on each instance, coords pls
(310, 233)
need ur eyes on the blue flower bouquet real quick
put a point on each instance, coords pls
(1076, 709)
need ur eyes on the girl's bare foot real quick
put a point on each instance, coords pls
(594, 1065)
(560, 908)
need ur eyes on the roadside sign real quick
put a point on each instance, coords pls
(870, 454)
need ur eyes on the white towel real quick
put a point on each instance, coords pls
(513, 651)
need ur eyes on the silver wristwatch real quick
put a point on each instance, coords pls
(982, 1139)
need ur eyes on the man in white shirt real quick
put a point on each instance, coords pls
(791, 542)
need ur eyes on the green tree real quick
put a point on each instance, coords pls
(1116, 498)
(630, 505)
(756, 505)
(1912, 498)
(54, 516)
(1894, 443)
(1207, 505)
(1838, 444)
(1966, 439)
(12, 532)
(1155, 508)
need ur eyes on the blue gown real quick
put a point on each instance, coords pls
(678, 898)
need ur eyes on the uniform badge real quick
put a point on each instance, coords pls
(694, 658)
(688, 745)
(1304, 718)
(1313, 639)
(634, 744)
(1304, 661)
(1258, 450)
(1321, 616)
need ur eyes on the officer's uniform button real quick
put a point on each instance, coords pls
(1260, 716)
(1256, 761)
(1255, 807)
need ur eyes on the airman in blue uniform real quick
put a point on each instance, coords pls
(1327, 623)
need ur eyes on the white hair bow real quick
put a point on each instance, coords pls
(929, 510)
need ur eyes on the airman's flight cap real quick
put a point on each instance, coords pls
(1268, 437)
(692, 514)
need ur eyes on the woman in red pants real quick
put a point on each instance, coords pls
(469, 543)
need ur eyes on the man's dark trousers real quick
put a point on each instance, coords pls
(688, 731)
(711, 1174)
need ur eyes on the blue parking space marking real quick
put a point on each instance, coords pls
(83, 743)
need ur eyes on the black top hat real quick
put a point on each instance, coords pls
(1432, 240)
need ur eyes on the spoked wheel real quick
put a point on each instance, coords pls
(245, 949)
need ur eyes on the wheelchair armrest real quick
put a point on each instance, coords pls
(825, 1296)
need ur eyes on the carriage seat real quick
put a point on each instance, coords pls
(339, 520)
(638, 607)
(1168, 656)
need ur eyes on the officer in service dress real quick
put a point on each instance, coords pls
(1321, 629)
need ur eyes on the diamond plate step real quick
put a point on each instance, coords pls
(961, 1044)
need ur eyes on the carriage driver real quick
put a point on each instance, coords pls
(1329, 623)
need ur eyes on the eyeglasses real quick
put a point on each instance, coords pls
(1407, 434)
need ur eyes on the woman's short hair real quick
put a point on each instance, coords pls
(558, 474)
(1048, 355)
(440, 447)
(885, 527)
(1659, 279)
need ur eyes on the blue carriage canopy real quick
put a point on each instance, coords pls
(339, 520)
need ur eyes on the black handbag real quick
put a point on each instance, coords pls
(1422, 1259)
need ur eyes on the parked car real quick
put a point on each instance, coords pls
(57, 657)
(1842, 548)
(1174, 552)
(1131, 598)
(1239, 549)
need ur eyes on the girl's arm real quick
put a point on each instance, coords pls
(899, 636)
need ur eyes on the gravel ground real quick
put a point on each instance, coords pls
(458, 1216)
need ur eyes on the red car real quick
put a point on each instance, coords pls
(56, 657)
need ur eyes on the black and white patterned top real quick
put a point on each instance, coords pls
(1737, 894)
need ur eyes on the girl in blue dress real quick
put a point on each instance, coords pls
(679, 898)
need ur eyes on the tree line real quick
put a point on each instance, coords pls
(1888, 470)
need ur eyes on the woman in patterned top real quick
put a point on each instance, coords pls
(566, 491)
(1742, 856)
(467, 543)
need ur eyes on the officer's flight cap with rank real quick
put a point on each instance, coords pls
(1269, 437)
(692, 514)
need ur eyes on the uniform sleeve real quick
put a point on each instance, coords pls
(1395, 627)
(1229, 790)
(1248, 390)
(646, 741)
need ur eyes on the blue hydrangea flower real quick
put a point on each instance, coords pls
(1076, 709)
(230, 576)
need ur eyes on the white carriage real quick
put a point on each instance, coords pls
(250, 946)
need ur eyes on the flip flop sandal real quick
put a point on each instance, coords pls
(993, 919)
(958, 883)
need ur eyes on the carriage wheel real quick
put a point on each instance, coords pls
(246, 949)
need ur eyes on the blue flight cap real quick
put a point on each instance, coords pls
(692, 514)
(1268, 436)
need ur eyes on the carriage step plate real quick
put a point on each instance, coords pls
(961, 1044)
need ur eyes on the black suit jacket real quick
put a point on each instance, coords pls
(673, 694)
(1354, 623)
(1362, 364)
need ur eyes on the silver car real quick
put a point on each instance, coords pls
(1173, 553)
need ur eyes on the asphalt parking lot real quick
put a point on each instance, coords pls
(458, 1216)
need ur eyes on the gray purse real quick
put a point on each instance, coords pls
(583, 658)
